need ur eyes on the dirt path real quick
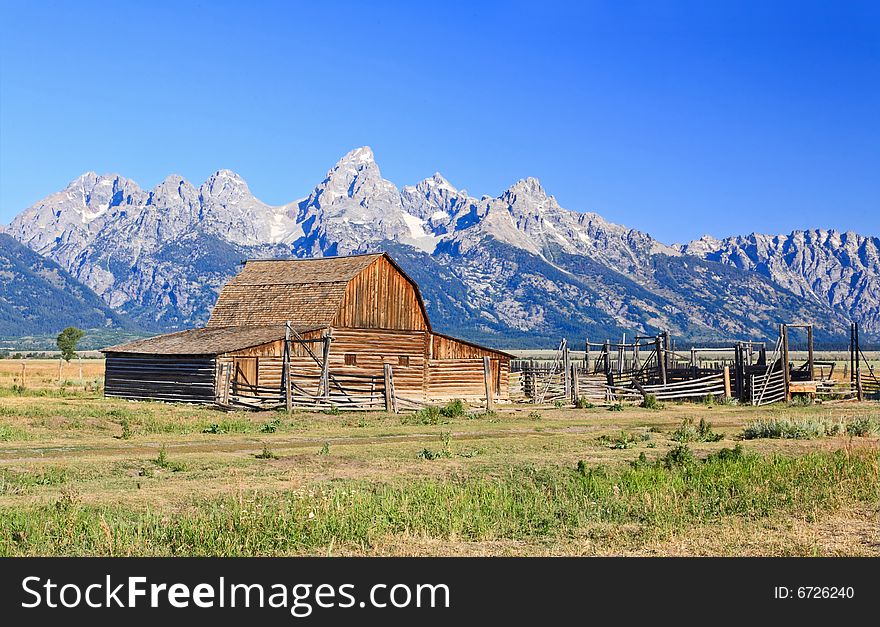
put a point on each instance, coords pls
(249, 443)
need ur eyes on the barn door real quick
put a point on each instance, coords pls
(245, 379)
(496, 375)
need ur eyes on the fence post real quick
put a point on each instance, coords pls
(661, 358)
(325, 367)
(285, 369)
(727, 381)
(785, 370)
(858, 354)
(389, 392)
(575, 391)
(566, 370)
(487, 378)
(810, 360)
(605, 348)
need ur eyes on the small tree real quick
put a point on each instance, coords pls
(67, 341)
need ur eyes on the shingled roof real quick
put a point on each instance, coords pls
(306, 291)
(207, 341)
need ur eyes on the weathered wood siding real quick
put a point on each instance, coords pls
(425, 366)
(443, 347)
(373, 349)
(455, 369)
(380, 297)
(181, 378)
(463, 378)
(304, 370)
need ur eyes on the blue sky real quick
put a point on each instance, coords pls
(675, 118)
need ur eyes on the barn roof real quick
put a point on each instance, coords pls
(207, 341)
(306, 291)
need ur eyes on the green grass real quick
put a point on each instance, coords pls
(652, 498)
(10, 434)
(15, 482)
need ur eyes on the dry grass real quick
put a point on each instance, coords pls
(43, 374)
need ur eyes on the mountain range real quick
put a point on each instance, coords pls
(513, 270)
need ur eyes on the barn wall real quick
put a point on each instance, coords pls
(270, 357)
(182, 378)
(374, 348)
(455, 369)
(464, 378)
(458, 374)
(380, 297)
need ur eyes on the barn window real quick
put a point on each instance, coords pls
(403, 360)
(351, 359)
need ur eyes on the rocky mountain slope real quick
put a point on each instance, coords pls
(513, 270)
(37, 296)
(840, 270)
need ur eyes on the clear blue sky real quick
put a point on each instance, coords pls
(675, 118)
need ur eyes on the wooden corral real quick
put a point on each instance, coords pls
(350, 332)
(746, 371)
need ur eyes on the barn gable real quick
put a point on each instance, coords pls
(350, 292)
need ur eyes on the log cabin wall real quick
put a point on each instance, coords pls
(381, 297)
(178, 378)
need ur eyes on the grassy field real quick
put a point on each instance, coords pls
(80, 474)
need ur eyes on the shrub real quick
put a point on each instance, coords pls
(800, 400)
(701, 433)
(681, 455)
(623, 440)
(640, 462)
(126, 429)
(333, 411)
(650, 402)
(616, 407)
(727, 454)
(454, 409)
(429, 415)
(443, 453)
(863, 426)
(583, 403)
(559, 403)
(534, 415)
(213, 428)
(271, 427)
(266, 454)
(705, 433)
(162, 461)
(686, 432)
(325, 450)
(805, 428)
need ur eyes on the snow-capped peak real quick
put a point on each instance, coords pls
(364, 154)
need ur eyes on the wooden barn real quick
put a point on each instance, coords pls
(349, 331)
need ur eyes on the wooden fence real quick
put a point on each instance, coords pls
(767, 388)
(345, 392)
